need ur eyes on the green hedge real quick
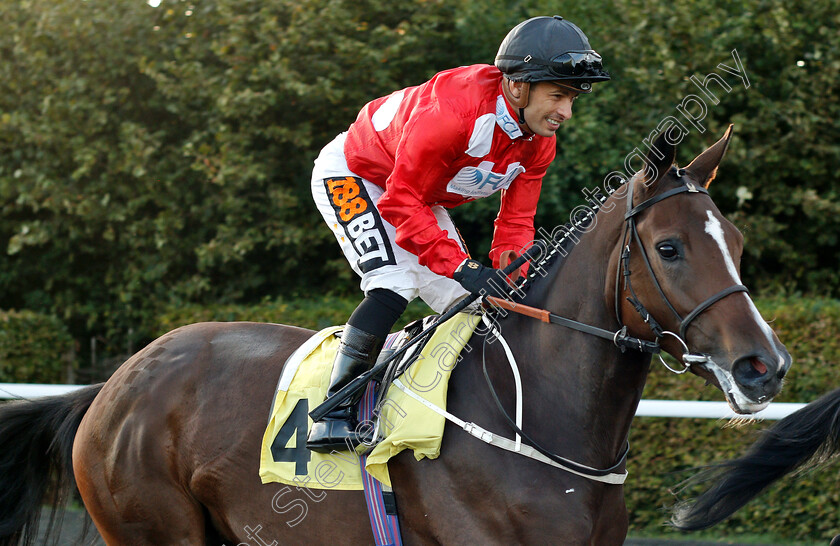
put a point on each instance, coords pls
(161, 156)
(666, 451)
(34, 348)
(314, 314)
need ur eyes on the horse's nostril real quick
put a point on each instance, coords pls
(750, 371)
(758, 365)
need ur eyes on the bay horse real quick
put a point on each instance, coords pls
(167, 450)
(807, 437)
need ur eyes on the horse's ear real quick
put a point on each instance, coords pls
(659, 159)
(704, 167)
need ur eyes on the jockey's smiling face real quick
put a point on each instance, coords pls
(548, 106)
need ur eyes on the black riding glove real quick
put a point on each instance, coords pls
(478, 279)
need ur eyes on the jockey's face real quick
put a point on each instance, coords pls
(549, 105)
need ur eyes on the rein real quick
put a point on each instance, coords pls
(612, 475)
(606, 475)
(621, 339)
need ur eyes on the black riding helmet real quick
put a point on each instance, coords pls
(550, 49)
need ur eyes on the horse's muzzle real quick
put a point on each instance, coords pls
(754, 379)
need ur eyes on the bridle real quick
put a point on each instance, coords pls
(630, 235)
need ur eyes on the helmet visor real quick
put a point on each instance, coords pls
(575, 64)
(569, 65)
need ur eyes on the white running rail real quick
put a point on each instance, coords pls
(33, 390)
(647, 408)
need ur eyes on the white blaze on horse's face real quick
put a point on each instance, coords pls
(728, 384)
(715, 229)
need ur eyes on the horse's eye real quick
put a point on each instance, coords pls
(667, 251)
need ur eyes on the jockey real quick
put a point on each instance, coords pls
(383, 186)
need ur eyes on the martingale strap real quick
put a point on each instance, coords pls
(608, 475)
(510, 445)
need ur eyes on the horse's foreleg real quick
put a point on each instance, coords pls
(613, 521)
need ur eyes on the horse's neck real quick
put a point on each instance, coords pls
(588, 389)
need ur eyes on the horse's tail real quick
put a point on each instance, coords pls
(37, 438)
(810, 435)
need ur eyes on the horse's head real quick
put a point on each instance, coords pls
(679, 261)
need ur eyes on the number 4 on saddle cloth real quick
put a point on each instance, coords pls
(401, 422)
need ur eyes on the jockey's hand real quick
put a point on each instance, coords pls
(478, 279)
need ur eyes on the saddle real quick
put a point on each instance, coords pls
(399, 421)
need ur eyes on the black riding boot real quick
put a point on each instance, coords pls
(356, 354)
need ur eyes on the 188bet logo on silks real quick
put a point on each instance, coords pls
(345, 197)
(363, 227)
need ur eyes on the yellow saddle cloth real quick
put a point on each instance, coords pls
(404, 422)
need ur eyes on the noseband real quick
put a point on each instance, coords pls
(629, 235)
